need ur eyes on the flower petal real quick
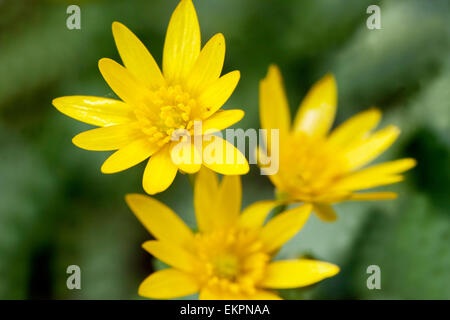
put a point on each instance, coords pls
(325, 212)
(316, 113)
(265, 162)
(382, 169)
(95, 110)
(264, 295)
(273, 105)
(206, 191)
(159, 172)
(182, 44)
(209, 64)
(171, 254)
(217, 93)
(255, 214)
(107, 138)
(297, 273)
(167, 284)
(364, 152)
(355, 183)
(373, 196)
(326, 196)
(355, 128)
(209, 294)
(216, 205)
(136, 58)
(214, 294)
(284, 226)
(123, 83)
(185, 156)
(160, 220)
(129, 156)
(374, 176)
(222, 119)
(228, 203)
(222, 157)
(390, 167)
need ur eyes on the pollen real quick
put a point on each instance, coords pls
(310, 164)
(166, 110)
(231, 260)
(226, 266)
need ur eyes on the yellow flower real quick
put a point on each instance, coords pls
(156, 104)
(230, 256)
(319, 167)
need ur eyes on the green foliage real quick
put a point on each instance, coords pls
(410, 244)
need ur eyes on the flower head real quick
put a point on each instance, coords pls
(155, 105)
(230, 255)
(320, 167)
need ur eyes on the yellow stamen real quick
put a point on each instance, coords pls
(309, 164)
(166, 110)
(231, 260)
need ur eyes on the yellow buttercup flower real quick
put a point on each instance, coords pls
(156, 104)
(230, 255)
(319, 167)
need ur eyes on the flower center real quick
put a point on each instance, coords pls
(231, 260)
(309, 164)
(166, 110)
(226, 266)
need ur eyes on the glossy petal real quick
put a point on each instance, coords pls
(222, 119)
(167, 284)
(377, 175)
(316, 113)
(171, 254)
(107, 138)
(331, 196)
(123, 83)
(182, 44)
(264, 295)
(358, 184)
(228, 203)
(370, 148)
(185, 156)
(206, 191)
(284, 226)
(95, 110)
(136, 58)
(208, 294)
(390, 167)
(373, 196)
(297, 273)
(273, 105)
(129, 156)
(217, 93)
(355, 128)
(159, 172)
(222, 157)
(255, 214)
(265, 163)
(209, 64)
(160, 220)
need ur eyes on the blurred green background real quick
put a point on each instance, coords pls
(57, 209)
